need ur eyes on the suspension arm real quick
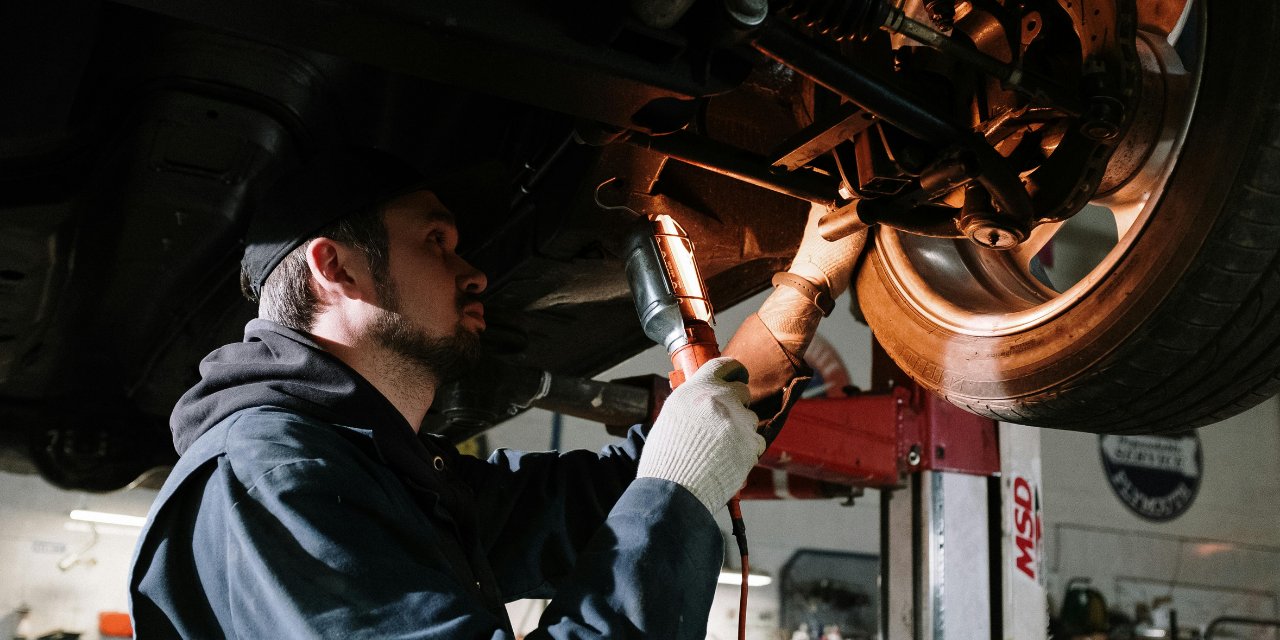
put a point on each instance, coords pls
(737, 163)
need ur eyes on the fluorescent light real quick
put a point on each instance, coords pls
(735, 578)
(107, 518)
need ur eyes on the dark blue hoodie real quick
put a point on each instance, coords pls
(304, 506)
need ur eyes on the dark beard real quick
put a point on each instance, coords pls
(446, 359)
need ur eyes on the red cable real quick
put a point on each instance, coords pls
(740, 534)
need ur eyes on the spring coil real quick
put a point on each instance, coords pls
(837, 19)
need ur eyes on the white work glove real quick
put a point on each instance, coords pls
(705, 437)
(793, 317)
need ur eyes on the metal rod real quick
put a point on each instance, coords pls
(1211, 631)
(745, 166)
(603, 402)
(840, 223)
(886, 101)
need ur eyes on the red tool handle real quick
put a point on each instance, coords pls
(701, 347)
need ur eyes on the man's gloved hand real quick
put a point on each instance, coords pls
(791, 315)
(824, 262)
(705, 437)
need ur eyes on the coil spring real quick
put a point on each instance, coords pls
(837, 19)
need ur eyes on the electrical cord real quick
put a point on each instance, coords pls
(740, 534)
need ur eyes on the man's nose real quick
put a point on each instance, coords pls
(471, 280)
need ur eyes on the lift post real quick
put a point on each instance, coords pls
(959, 504)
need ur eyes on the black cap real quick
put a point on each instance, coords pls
(326, 188)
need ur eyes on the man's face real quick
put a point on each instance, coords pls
(431, 312)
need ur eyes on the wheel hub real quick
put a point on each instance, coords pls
(965, 287)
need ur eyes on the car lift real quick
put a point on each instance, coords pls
(959, 507)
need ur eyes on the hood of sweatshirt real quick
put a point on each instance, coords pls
(280, 367)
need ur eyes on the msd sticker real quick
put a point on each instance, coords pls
(1027, 532)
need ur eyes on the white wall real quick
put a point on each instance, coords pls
(1227, 543)
(36, 534)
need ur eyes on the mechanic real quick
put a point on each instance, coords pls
(305, 503)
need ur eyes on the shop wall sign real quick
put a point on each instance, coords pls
(1156, 477)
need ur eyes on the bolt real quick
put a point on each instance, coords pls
(985, 226)
(942, 13)
(1100, 131)
(992, 234)
(1101, 122)
(913, 456)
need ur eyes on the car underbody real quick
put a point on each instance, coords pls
(137, 134)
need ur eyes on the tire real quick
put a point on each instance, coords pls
(1180, 328)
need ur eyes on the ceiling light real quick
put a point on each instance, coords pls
(735, 578)
(107, 518)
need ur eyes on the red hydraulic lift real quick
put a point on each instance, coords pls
(959, 494)
(959, 504)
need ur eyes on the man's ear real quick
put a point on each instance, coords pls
(339, 271)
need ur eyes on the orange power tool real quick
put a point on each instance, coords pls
(675, 312)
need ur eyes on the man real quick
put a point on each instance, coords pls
(305, 504)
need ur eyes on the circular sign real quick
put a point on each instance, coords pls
(1157, 477)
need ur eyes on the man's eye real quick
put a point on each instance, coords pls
(438, 237)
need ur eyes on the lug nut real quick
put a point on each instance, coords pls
(993, 236)
(984, 225)
(1102, 121)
